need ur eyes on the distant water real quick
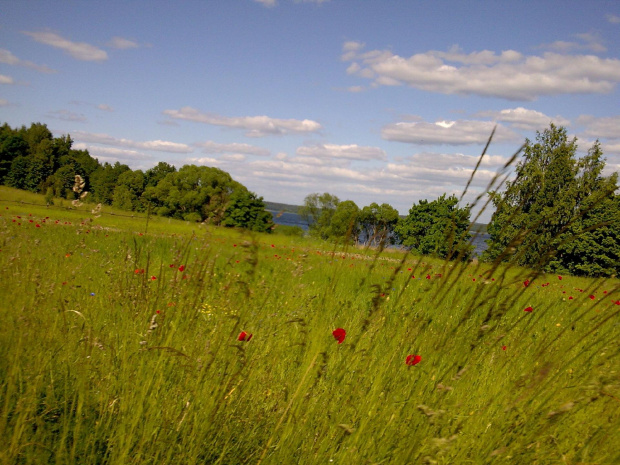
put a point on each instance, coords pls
(293, 219)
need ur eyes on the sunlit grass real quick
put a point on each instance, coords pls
(110, 354)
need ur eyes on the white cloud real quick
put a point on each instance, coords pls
(587, 41)
(78, 50)
(204, 161)
(522, 118)
(350, 152)
(112, 153)
(256, 126)
(214, 147)
(156, 145)
(4, 79)
(607, 127)
(508, 75)
(121, 43)
(104, 107)
(8, 58)
(233, 157)
(461, 132)
(67, 115)
(613, 19)
(267, 3)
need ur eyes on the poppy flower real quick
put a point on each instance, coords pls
(243, 336)
(182, 268)
(412, 360)
(528, 309)
(592, 297)
(526, 282)
(560, 278)
(339, 334)
(503, 347)
(617, 302)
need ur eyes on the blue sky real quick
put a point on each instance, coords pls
(373, 100)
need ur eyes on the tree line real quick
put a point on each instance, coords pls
(559, 214)
(32, 159)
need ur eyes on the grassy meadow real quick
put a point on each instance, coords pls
(120, 344)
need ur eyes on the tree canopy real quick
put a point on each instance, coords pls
(559, 213)
(437, 228)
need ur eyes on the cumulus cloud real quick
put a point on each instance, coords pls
(214, 147)
(461, 132)
(8, 58)
(156, 145)
(607, 127)
(350, 152)
(522, 118)
(78, 50)
(256, 126)
(509, 74)
(4, 79)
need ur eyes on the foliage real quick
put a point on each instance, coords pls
(378, 224)
(559, 214)
(317, 211)
(246, 210)
(32, 159)
(438, 228)
(344, 223)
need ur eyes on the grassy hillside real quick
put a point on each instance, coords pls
(123, 342)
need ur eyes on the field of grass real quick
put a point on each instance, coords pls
(120, 344)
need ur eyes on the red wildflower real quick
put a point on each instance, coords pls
(182, 268)
(592, 297)
(412, 360)
(153, 278)
(38, 225)
(243, 336)
(570, 297)
(503, 347)
(617, 302)
(528, 309)
(339, 334)
(560, 278)
(428, 276)
(526, 282)
(172, 265)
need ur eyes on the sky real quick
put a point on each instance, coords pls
(386, 101)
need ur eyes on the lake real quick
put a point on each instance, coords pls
(293, 219)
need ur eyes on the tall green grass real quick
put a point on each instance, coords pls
(110, 354)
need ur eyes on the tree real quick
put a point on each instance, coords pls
(344, 223)
(559, 213)
(246, 210)
(437, 228)
(128, 190)
(378, 223)
(317, 211)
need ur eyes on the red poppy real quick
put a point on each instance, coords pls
(412, 360)
(617, 302)
(592, 297)
(171, 265)
(560, 278)
(153, 278)
(182, 268)
(528, 309)
(526, 282)
(243, 336)
(428, 276)
(503, 347)
(339, 334)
